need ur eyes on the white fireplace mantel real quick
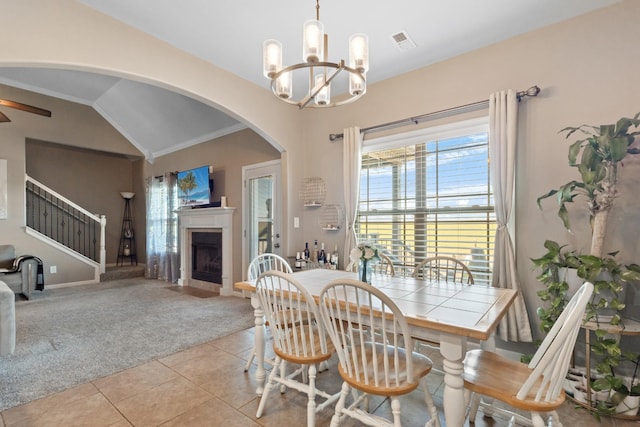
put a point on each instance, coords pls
(207, 218)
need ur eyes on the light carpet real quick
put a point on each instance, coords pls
(69, 336)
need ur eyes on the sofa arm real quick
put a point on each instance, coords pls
(29, 271)
(7, 320)
(25, 276)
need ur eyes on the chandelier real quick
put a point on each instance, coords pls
(320, 71)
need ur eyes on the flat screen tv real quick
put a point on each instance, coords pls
(194, 187)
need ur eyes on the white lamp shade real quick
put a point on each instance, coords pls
(271, 57)
(127, 194)
(359, 52)
(284, 85)
(357, 86)
(312, 41)
(324, 96)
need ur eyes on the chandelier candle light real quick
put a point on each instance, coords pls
(321, 72)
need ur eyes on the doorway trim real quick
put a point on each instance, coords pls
(270, 168)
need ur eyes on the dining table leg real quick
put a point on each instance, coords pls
(453, 349)
(259, 344)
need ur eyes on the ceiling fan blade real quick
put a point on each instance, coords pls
(25, 107)
(3, 118)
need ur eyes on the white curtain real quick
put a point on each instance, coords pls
(503, 118)
(163, 259)
(352, 162)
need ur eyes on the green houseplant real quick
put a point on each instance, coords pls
(597, 158)
(627, 399)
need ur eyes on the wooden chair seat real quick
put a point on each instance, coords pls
(492, 375)
(313, 350)
(396, 381)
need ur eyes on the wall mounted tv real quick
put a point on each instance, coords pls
(194, 187)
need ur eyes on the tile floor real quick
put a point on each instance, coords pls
(207, 386)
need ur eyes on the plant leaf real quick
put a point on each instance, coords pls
(564, 216)
(618, 148)
(549, 194)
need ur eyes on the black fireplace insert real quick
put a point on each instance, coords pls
(206, 258)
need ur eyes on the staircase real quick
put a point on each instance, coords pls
(58, 221)
(122, 272)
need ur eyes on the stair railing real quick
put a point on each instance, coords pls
(63, 221)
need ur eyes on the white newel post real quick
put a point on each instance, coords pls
(103, 249)
(207, 218)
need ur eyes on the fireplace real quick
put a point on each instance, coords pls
(206, 248)
(206, 256)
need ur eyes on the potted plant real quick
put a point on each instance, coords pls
(600, 155)
(597, 158)
(624, 398)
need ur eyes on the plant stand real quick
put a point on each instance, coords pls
(632, 328)
(127, 246)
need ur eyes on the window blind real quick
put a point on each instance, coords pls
(428, 194)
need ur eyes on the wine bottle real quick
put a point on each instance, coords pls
(314, 254)
(334, 258)
(322, 255)
(298, 264)
(306, 251)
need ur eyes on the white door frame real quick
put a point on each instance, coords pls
(271, 168)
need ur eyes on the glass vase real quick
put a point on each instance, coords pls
(364, 271)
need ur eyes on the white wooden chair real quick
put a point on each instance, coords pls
(537, 387)
(375, 356)
(259, 265)
(443, 268)
(266, 262)
(299, 337)
(384, 266)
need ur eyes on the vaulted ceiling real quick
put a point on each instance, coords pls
(230, 35)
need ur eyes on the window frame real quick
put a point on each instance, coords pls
(479, 125)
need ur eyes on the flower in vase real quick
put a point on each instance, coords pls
(364, 252)
(364, 255)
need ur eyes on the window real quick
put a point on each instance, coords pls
(162, 228)
(428, 193)
(162, 220)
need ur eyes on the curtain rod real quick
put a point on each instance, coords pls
(474, 106)
(162, 176)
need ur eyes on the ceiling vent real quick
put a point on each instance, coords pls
(403, 41)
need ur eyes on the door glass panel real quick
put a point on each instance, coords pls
(261, 218)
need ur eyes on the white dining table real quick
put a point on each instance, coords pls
(448, 312)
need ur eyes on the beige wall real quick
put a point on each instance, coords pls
(587, 68)
(227, 155)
